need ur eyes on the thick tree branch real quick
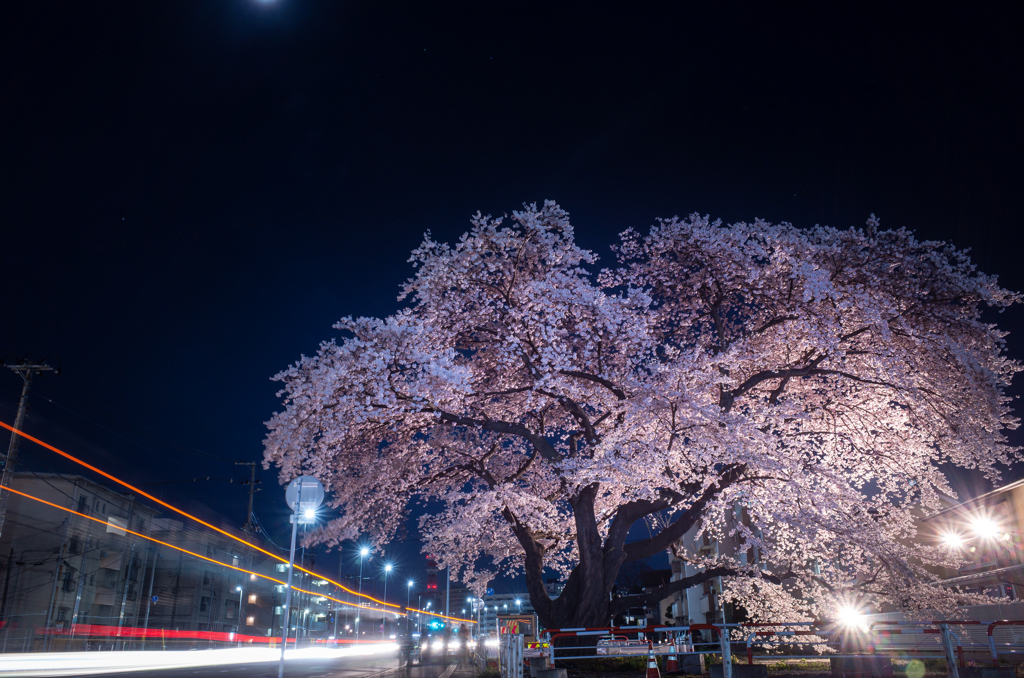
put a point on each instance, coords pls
(546, 449)
(618, 392)
(656, 596)
(681, 525)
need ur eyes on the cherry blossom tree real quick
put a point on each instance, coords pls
(538, 410)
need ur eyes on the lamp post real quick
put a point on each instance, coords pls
(408, 594)
(238, 629)
(303, 495)
(363, 552)
(384, 621)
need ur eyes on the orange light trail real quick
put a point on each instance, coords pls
(178, 548)
(211, 560)
(177, 510)
(217, 562)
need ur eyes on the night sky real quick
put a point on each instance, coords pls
(193, 192)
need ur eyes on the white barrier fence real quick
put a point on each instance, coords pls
(510, 656)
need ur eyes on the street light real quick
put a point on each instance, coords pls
(384, 617)
(408, 594)
(363, 552)
(238, 629)
(303, 493)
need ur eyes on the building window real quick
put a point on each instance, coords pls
(204, 603)
(252, 598)
(232, 609)
(201, 626)
(140, 525)
(207, 578)
(62, 614)
(282, 567)
(69, 581)
(74, 546)
(83, 504)
(277, 610)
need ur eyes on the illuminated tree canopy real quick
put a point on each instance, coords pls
(817, 377)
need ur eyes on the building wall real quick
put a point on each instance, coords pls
(55, 559)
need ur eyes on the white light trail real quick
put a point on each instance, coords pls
(97, 663)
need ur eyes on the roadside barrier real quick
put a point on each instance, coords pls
(954, 640)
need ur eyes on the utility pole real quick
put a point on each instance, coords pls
(249, 528)
(26, 369)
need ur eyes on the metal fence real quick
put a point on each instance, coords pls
(958, 642)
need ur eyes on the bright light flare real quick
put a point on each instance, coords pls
(310, 513)
(985, 527)
(953, 540)
(852, 619)
(437, 646)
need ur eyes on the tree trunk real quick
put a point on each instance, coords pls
(584, 600)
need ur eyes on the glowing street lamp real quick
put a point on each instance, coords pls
(984, 527)
(363, 553)
(409, 593)
(384, 618)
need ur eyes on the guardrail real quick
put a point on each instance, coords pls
(833, 641)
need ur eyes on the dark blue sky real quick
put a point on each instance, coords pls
(191, 193)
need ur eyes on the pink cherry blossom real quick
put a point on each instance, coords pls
(538, 409)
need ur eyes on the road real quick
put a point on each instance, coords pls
(307, 663)
(349, 667)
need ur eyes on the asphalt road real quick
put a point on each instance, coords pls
(353, 667)
(349, 667)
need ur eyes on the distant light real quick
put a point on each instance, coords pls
(238, 588)
(518, 602)
(310, 513)
(364, 552)
(388, 567)
(411, 582)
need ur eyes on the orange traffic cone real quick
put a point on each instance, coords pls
(652, 662)
(672, 664)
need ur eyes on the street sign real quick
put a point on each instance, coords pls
(490, 592)
(312, 494)
(156, 598)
